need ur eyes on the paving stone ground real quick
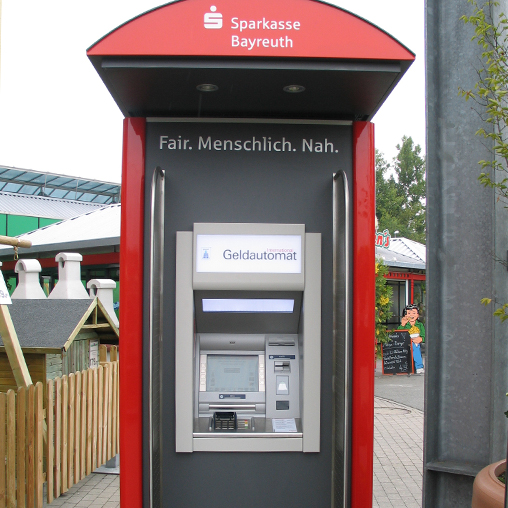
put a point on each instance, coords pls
(398, 455)
(95, 491)
(398, 465)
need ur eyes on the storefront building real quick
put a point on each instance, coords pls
(405, 260)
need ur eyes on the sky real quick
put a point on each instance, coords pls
(57, 116)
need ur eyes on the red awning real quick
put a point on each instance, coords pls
(250, 51)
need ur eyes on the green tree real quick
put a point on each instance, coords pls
(400, 192)
(388, 202)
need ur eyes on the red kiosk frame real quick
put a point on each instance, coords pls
(349, 67)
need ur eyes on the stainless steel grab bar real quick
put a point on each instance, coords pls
(342, 332)
(155, 333)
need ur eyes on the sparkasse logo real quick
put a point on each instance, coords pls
(213, 19)
(260, 31)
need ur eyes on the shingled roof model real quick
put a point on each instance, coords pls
(52, 325)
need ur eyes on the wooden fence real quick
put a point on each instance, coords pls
(59, 440)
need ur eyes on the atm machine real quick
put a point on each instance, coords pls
(248, 338)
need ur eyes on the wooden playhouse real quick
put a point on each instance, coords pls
(57, 337)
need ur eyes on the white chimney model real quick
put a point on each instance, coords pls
(69, 285)
(103, 290)
(29, 287)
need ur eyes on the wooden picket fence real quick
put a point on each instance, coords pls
(57, 437)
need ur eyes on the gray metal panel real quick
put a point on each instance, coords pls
(499, 425)
(144, 86)
(46, 323)
(287, 188)
(242, 342)
(261, 322)
(291, 376)
(279, 121)
(311, 382)
(466, 354)
(310, 65)
(256, 444)
(184, 343)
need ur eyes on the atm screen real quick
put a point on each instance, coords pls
(232, 373)
(248, 305)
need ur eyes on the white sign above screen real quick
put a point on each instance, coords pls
(248, 253)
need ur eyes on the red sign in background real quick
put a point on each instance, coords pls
(285, 28)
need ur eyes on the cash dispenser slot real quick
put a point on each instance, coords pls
(237, 407)
(282, 366)
(281, 341)
(225, 420)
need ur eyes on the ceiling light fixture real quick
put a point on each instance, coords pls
(207, 87)
(294, 88)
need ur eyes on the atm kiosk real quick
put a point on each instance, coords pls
(247, 280)
(246, 352)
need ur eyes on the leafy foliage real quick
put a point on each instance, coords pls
(383, 301)
(490, 90)
(489, 94)
(400, 192)
(501, 312)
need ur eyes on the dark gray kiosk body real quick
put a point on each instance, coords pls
(246, 189)
(247, 251)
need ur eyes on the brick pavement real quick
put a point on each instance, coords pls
(398, 455)
(398, 465)
(95, 491)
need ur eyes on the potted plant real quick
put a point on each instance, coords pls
(488, 488)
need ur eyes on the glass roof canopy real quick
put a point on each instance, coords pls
(33, 183)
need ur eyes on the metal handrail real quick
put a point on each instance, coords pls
(341, 328)
(155, 325)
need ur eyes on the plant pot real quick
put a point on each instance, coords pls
(488, 491)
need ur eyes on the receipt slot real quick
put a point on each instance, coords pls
(248, 338)
(247, 250)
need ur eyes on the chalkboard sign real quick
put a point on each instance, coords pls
(398, 353)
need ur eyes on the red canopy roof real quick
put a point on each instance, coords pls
(308, 28)
(153, 63)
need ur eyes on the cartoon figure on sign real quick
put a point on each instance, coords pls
(416, 329)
